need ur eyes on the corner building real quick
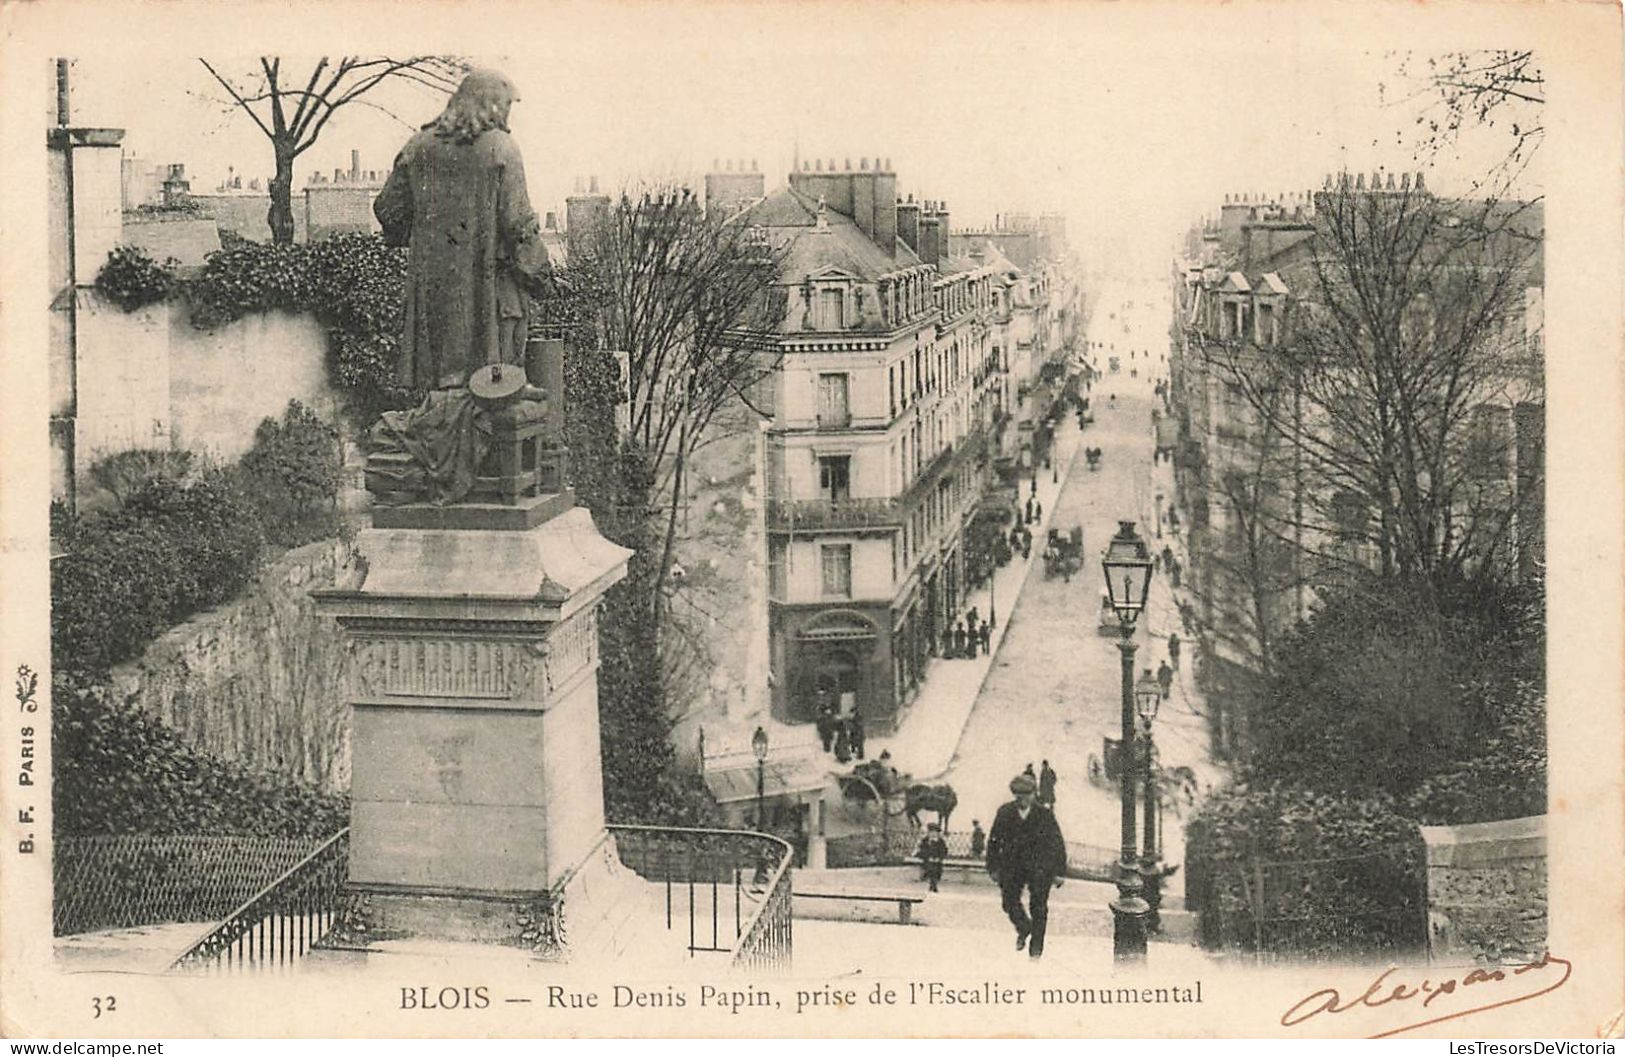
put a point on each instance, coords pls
(876, 455)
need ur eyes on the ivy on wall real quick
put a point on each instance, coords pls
(351, 283)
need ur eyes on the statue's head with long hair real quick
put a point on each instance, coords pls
(480, 103)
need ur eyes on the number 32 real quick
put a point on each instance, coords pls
(103, 1005)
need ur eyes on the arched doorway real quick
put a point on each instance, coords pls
(837, 679)
(836, 651)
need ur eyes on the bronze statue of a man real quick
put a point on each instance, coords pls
(457, 199)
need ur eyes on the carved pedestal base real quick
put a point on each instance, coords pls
(476, 784)
(371, 921)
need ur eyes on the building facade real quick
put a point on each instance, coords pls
(1265, 526)
(877, 453)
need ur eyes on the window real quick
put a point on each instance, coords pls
(891, 390)
(837, 568)
(776, 563)
(835, 477)
(832, 405)
(832, 309)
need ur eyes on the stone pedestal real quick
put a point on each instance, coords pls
(476, 789)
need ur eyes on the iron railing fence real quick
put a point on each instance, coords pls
(728, 889)
(282, 921)
(130, 880)
(896, 845)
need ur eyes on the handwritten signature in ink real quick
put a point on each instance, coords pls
(1497, 986)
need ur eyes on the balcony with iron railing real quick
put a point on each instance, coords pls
(725, 895)
(817, 514)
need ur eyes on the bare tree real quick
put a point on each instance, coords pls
(1252, 573)
(690, 298)
(1499, 91)
(1409, 318)
(292, 108)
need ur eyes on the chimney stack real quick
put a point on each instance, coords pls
(583, 213)
(908, 223)
(355, 164)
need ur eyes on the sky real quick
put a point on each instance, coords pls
(993, 108)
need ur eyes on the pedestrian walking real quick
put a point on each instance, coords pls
(855, 734)
(933, 850)
(1046, 785)
(985, 633)
(1165, 679)
(826, 724)
(1038, 510)
(1025, 850)
(1030, 501)
(959, 639)
(970, 618)
(978, 839)
(1174, 571)
(1173, 650)
(1167, 557)
(1030, 773)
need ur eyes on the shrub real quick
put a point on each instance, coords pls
(1278, 867)
(1506, 779)
(133, 280)
(121, 475)
(174, 547)
(292, 476)
(1385, 687)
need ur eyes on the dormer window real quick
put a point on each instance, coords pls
(831, 308)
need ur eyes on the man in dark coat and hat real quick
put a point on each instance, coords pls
(1025, 850)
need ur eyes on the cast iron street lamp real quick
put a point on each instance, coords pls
(758, 745)
(1147, 696)
(1127, 565)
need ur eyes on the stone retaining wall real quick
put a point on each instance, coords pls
(1486, 890)
(258, 680)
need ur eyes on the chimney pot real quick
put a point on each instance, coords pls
(819, 165)
(888, 165)
(592, 184)
(849, 165)
(863, 164)
(753, 165)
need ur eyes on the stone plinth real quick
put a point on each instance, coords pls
(476, 787)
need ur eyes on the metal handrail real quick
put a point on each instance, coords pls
(762, 940)
(281, 921)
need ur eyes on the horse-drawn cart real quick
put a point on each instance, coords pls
(1063, 554)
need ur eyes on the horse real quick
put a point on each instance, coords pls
(1177, 786)
(938, 798)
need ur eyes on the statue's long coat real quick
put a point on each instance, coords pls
(464, 211)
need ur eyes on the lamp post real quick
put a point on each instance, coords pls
(758, 745)
(1147, 697)
(1127, 565)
